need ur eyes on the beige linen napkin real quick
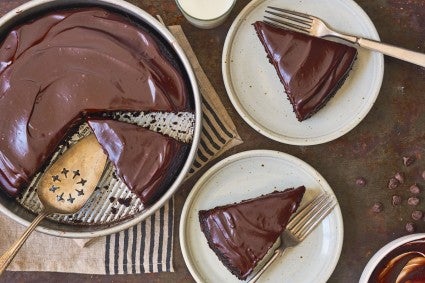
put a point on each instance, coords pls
(146, 247)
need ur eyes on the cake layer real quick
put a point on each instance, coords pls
(64, 66)
(145, 161)
(311, 69)
(242, 233)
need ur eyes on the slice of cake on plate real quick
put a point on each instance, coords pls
(311, 69)
(242, 233)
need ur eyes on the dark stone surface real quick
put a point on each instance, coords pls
(394, 128)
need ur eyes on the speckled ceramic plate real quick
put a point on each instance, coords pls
(258, 95)
(250, 174)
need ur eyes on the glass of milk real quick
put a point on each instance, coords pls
(205, 13)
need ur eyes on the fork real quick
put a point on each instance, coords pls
(316, 27)
(300, 227)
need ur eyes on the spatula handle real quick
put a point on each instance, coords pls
(8, 256)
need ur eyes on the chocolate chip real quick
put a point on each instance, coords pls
(114, 210)
(414, 189)
(408, 160)
(400, 177)
(410, 227)
(377, 207)
(417, 215)
(396, 200)
(413, 201)
(393, 183)
(361, 182)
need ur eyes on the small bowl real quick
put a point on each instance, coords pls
(384, 251)
(206, 14)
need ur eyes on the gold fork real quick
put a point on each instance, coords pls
(316, 27)
(300, 227)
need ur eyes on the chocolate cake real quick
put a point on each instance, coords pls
(145, 160)
(64, 67)
(311, 69)
(241, 234)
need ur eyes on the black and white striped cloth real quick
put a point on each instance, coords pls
(146, 247)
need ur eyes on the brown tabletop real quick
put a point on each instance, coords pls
(394, 128)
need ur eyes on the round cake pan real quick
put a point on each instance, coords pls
(13, 209)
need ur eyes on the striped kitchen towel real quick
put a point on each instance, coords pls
(218, 130)
(146, 247)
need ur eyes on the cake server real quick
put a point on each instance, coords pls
(65, 187)
(316, 27)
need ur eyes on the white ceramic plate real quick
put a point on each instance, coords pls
(250, 174)
(379, 255)
(258, 95)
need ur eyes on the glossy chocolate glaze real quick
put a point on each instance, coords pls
(66, 65)
(146, 161)
(311, 69)
(404, 264)
(241, 234)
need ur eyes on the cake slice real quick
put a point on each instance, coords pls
(311, 69)
(241, 234)
(145, 161)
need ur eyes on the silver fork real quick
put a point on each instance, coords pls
(300, 227)
(316, 27)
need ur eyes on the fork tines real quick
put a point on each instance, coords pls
(288, 19)
(308, 218)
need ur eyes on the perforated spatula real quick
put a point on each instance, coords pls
(65, 186)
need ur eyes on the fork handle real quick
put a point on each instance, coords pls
(278, 253)
(393, 51)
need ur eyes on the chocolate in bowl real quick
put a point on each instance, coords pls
(71, 110)
(402, 260)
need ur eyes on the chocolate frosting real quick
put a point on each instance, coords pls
(404, 264)
(64, 66)
(241, 234)
(146, 161)
(311, 69)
